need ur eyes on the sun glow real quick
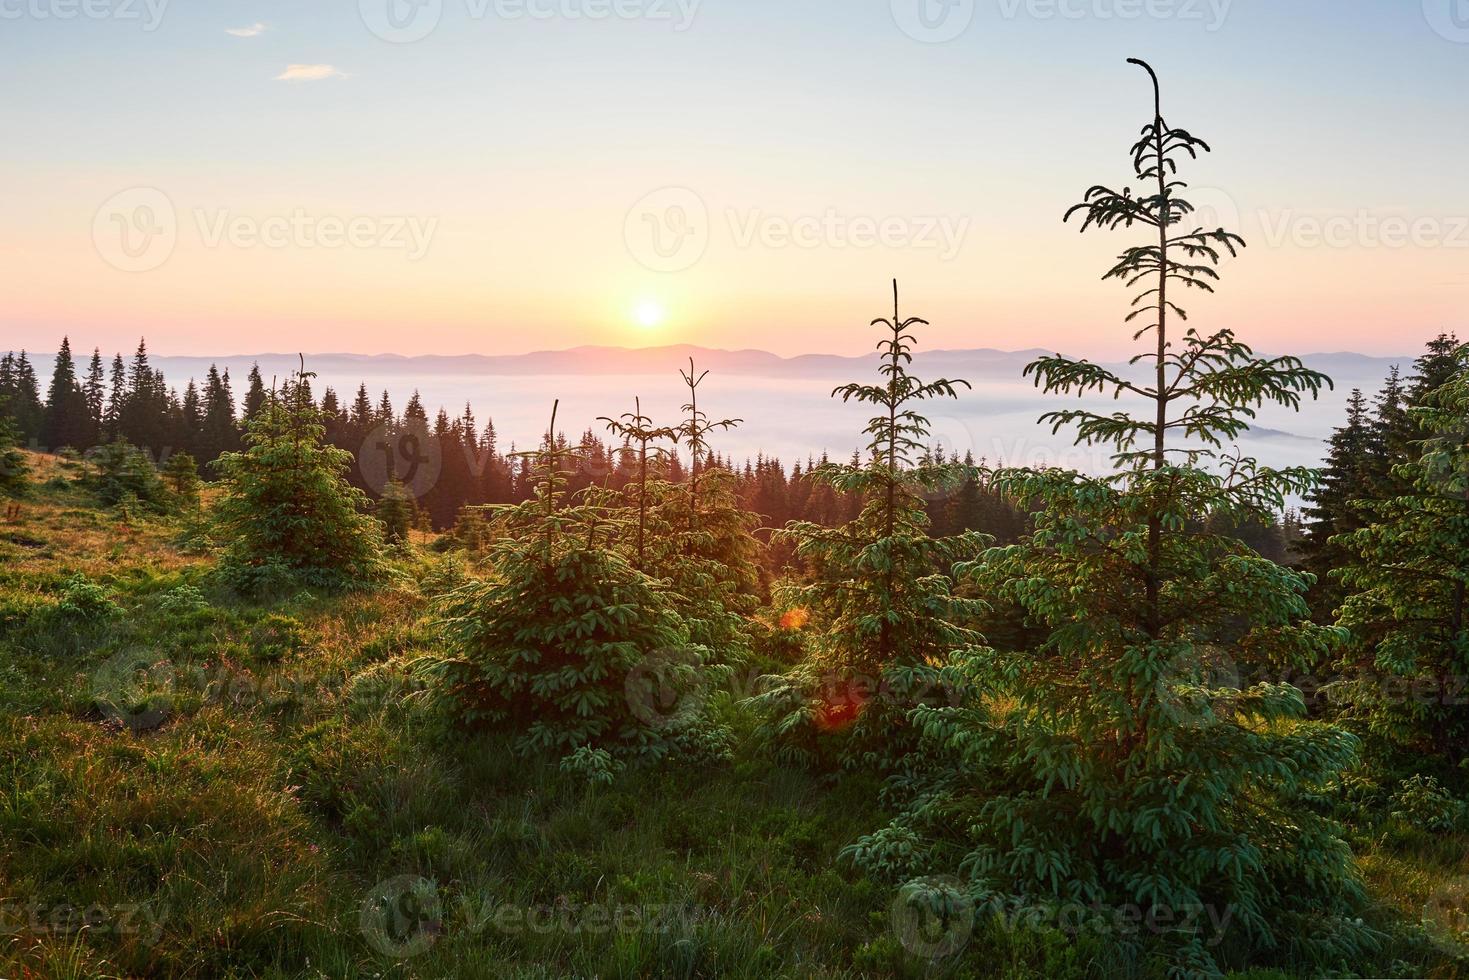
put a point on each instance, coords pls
(650, 315)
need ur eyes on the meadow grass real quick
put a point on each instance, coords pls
(277, 798)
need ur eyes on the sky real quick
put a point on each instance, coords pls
(501, 176)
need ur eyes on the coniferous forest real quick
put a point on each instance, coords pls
(299, 684)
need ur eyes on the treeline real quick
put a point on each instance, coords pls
(1364, 464)
(462, 463)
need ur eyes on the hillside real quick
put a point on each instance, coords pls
(268, 782)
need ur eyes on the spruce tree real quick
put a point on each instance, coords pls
(95, 391)
(13, 466)
(635, 427)
(1344, 479)
(1117, 765)
(560, 643)
(1407, 577)
(882, 609)
(397, 511)
(181, 473)
(116, 397)
(287, 515)
(255, 394)
(700, 540)
(67, 420)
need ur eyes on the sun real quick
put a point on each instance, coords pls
(650, 314)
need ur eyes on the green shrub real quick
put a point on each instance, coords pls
(1422, 803)
(288, 517)
(121, 475)
(83, 599)
(567, 645)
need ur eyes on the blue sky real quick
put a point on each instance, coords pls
(526, 140)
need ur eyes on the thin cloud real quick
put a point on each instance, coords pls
(254, 30)
(309, 73)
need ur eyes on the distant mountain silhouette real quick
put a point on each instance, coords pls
(982, 364)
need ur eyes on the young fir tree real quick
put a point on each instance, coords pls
(636, 428)
(566, 644)
(13, 466)
(700, 538)
(67, 421)
(287, 515)
(181, 473)
(1112, 767)
(1407, 578)
(880, 597)
(1344, 480)
(398, 512)
(122, 475)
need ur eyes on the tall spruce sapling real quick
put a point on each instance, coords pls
(694, 431)
(1116, 765)
(700, 537)
(636, 428)
(287, 513)
(14, 470)
(397, 511)
(883, 612)
(1407, 583)
(181, 473)
(565, 644)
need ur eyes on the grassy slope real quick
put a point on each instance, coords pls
(295, 772)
